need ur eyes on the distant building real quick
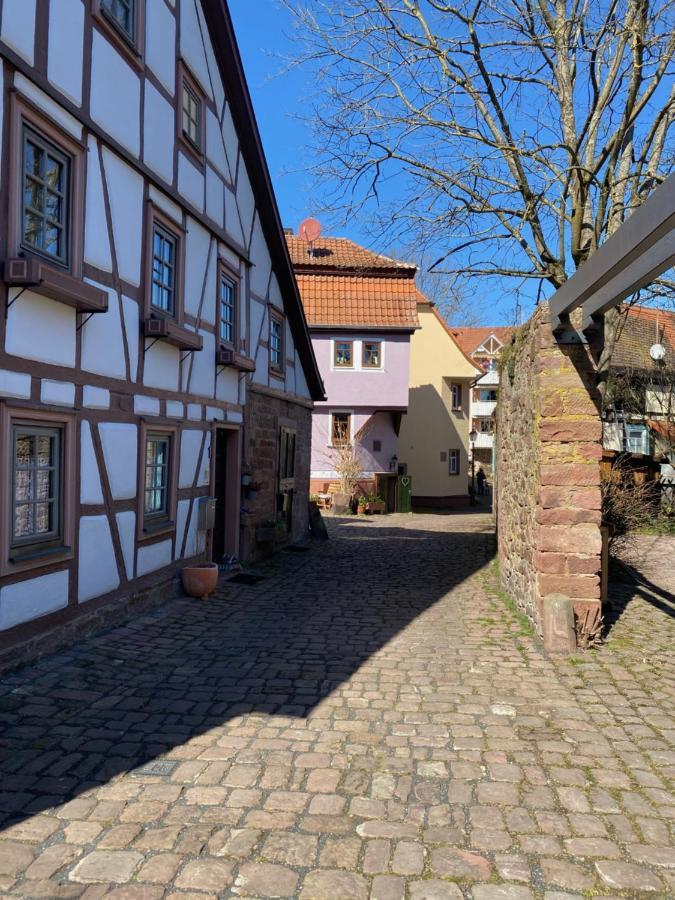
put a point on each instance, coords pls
(639, 408)
(361, 308)
(435, 431)
(484, 345)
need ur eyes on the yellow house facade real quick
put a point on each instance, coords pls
(434, 437)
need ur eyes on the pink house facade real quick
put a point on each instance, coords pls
(361, 309)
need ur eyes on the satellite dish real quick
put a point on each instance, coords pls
(310, 230)
(657, 352)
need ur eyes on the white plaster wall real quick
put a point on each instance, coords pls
(160, 34)
(66, 47)
(159, 135)
(214, 72)
(190, 182)
(18, 27)
(30, 599)
(102, 341)
(14, 384)
(90, 478)
(175, 409)
(203, 378)
(161, 366)
(215, 146)
(60, 393)
(231, 141)
(275, 297)
(126, 527)
(196, 255)
(95, 397)
(96, 243)
(215, 201)
(204, 476)
(120, 450)
(208, 307)
(195, 539)
(125, 189)
(190, 445)
(301, 387)
(130, 311)
(40, 328)
(97, 566)
(232, 223)
(115, 94)
(146, 406)
(191, 46)
(181, 520)
(215, 414)
(46, 104)
(194, 412)
(226, 386)
(262, 264)
(153, 557)
(173, 210)
(245, 201)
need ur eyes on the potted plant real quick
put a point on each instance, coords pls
(361, 505)
(200, 580)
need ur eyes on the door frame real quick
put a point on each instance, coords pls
(232, 483)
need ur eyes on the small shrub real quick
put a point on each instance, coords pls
(627, 505)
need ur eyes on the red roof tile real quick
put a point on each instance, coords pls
(340, 253)
(469, 339)
(357, 301)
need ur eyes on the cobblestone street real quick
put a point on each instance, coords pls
(369, 720)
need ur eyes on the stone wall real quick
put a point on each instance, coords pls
(266, 413)
(548, 470)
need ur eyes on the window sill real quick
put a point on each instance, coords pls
(29, 272)
(195, 156)
(173, 333)
(277, 373)
(152, 529)
(34, 554)
(227, 356)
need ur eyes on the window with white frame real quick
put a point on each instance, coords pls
(343, 355)
(372, 355)
(157, 481)
(456, 393)
(341, 424)
(453, 462)
(227, 300)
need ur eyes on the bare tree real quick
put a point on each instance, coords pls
(509, 137)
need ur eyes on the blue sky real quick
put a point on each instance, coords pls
(265, 36)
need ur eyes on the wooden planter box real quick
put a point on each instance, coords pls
(377, 507)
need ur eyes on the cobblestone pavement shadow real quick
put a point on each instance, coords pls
(369, 721)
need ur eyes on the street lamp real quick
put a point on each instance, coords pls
(473, 436)
(393, 463)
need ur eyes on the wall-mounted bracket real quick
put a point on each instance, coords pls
(84, 322)
(149, 346)
(15, 298)
(185, 356)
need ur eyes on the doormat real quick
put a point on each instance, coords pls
(295, 548)
(245, 578)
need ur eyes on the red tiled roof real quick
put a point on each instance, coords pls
(340, 253)
(358, 301)
(469, 339)
(644, 326)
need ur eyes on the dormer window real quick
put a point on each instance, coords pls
(122, 14)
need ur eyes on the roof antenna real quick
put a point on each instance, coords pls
(310, 231)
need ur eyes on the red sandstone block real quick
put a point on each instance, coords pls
(550, 563)
(551, 496)
(586, 498)
(586, 587)
(591, 451)
(565, 516)
(551, 405)
(574, 430)
(570, 474)
(583, 565)
(582, 538)
(581, 403)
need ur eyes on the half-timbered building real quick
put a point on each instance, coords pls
(151, 335)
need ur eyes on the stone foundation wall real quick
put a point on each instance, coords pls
(548, 470)
(266, 414)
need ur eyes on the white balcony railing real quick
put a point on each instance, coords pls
(484, 440)
(483, 408)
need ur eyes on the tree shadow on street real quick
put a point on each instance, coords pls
(123, 698)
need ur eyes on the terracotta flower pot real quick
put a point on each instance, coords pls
(200, 581)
